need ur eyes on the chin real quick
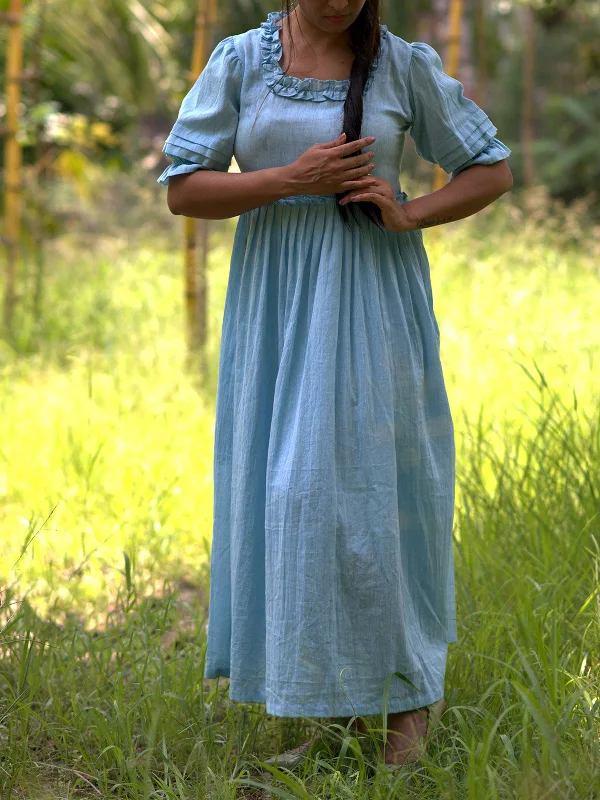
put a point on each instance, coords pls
(325, 25)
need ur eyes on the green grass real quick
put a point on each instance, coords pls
(106, 513)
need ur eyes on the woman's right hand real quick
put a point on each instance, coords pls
(324, 168)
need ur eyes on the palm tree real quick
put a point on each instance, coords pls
(120, 47)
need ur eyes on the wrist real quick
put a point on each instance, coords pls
(287, 182)
(408, 223)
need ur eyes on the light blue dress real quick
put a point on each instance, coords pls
(334, 462)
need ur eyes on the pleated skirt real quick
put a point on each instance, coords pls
(332, 575)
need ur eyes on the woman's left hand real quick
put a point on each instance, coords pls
(381, 193)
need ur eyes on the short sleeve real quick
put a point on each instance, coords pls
(494, 151)
(447, 128)
(204, 133)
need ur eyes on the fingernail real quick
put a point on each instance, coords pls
(371, 139)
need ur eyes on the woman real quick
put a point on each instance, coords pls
(334, 463)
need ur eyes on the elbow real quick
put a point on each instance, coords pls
(177, 195)
(175, 211)
(504, 177)
(507, 185)
(497, 177)
(174, 200)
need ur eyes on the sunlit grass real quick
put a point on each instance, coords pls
(106, 511)
(512, 297)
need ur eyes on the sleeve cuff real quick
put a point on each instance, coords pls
(181, 144)
(455, 152)
(177, 169)
(494, 151)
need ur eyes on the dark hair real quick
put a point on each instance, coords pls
(365, 43)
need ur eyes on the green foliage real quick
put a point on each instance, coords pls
(118, 69)
(240, 15)
(567, 98)
(571, 155)
(105, 517)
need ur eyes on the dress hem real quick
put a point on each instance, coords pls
(394, 706)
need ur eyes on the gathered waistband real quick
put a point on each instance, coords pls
(313, 199)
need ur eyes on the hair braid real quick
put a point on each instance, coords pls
(365, 43)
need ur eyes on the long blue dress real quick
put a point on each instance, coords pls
(334, 461)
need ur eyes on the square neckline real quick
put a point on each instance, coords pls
(316, 89)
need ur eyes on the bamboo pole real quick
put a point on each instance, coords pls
(198, 231)
(12, 157)
(454, 39)
(38, 188)
(480, 51)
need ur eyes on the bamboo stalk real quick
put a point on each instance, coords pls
(454, 40)
(37, 177)
(12, 157)
(205, 224)
(480, 51)
(198, 231)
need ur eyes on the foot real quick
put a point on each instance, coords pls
(290, 758)
(358, 726)
(404, 742)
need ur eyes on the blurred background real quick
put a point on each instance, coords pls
(103, 81)
(109, 344)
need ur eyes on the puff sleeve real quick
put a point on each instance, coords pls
(204, 133)
(492, 152)
(447, 128)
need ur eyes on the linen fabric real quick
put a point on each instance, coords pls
(332, 573)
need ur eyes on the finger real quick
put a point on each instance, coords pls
(376, 186)
(362, 197)
(365, 197)
(340, 140)
(361, 172)
(382, 188)
(365, 183)
(352, 147)
(357, 161)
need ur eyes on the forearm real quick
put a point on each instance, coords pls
(208, 194)
(469, 192)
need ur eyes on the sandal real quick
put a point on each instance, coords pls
(291, 758)
(416, 748)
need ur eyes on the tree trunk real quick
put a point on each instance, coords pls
(12, 158)
(527, 131)
(38, 189)
(479, 36)
(196, 259)
(453, 67)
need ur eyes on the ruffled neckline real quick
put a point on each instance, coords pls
(302, 88)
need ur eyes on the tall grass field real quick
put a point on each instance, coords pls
(106, 446)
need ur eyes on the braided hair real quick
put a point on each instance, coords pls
(365, 43)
